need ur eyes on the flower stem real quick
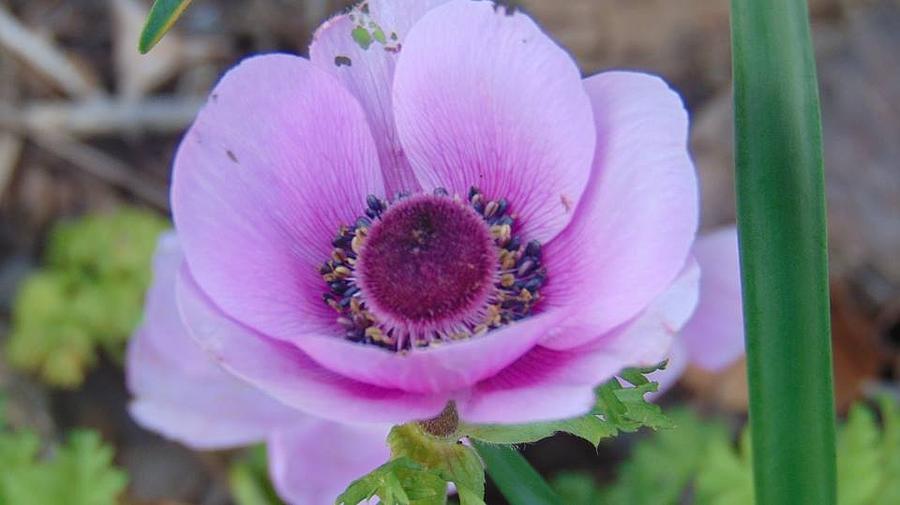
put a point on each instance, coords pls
(517, 480)
(782, 225)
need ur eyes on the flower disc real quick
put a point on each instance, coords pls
(429, 264)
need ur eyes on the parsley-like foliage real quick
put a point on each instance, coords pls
(88, 295)
(80, 472)
(698, 463)
(422, 465)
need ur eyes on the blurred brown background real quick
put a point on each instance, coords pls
(87, 124)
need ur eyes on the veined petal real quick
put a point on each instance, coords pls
(635, 225)
(367, 71)
(547, 384)
(178, 389)
(441, 369)
(290, 375)
(276, 161)
(315, 462)
(483, 98)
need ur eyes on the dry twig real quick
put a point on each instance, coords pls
(103, 166)
(102, 116)
(44, 57)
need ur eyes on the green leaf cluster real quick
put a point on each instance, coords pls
(660, 469)
(400, 481)
(419, 471)
(868, 464)
(422, 465)
(88, 295)
(698, 463)
(621, 406)
(682, 449)
(80, 472)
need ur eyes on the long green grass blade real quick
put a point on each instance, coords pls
(162, 16)
(782, 224)
(517, 480)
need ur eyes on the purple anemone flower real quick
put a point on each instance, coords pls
(441, 211)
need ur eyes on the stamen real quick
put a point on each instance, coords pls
(518, 275)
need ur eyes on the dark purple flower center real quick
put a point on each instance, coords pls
(431, 268)
(428, 263)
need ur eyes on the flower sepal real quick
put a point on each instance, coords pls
(421, 467)
(399, 481)
(428, 455)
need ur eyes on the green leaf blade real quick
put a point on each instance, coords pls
(162, 16)
(782, 228)
(517, 480)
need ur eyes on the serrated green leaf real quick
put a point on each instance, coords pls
(590, 428)
(420, 469)
(638, 376)
(660, 467)
(400, 481)
(80, 473)
(618, 408)
(860, 459)
(889, 489)
(638, 412)
(17, 449)
(162, 16)
(868, 462)
(699, 459)
(726, 477)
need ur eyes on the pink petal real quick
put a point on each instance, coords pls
(441, 369)
(487, 99)
(314, 463)
(179, 391)
(286, 373)
(548, 384)
(279, 157)
(714, 337)
(636, 222)
(368, 74)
